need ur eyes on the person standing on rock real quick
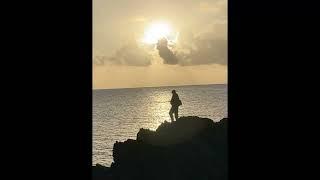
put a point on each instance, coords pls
(175, 103)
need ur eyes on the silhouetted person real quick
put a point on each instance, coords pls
(175, 103)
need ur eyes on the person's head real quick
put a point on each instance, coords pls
(173, 91)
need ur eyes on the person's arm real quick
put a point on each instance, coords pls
(171, 101)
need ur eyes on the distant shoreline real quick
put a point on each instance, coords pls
(159, 86)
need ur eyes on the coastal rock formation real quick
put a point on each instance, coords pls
(189, 148)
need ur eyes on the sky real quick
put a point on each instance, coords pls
(150, 43)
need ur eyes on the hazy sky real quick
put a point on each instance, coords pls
(126, 52)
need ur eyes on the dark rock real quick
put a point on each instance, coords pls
(189, 148)
(100, 172)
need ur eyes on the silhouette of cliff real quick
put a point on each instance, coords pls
(189, 148)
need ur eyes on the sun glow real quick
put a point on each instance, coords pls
(157, 31)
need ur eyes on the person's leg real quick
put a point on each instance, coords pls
(176, 112)
(171, 114)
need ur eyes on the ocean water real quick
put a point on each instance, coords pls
(118, 114)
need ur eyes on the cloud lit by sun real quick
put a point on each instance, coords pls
(158, 30)
(127, 51)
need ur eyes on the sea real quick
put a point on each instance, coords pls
(118, 114)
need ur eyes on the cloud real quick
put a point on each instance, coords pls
(216, 7)
(165, 53)
(130, 54)
(207, 47)
(99, 60)
(204, 51)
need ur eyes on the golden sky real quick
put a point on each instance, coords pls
(125, 49)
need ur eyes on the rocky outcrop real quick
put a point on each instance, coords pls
(101, 172)
(189, 148)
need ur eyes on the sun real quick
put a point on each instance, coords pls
(156, 31)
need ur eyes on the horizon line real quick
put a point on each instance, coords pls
(159, 86)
